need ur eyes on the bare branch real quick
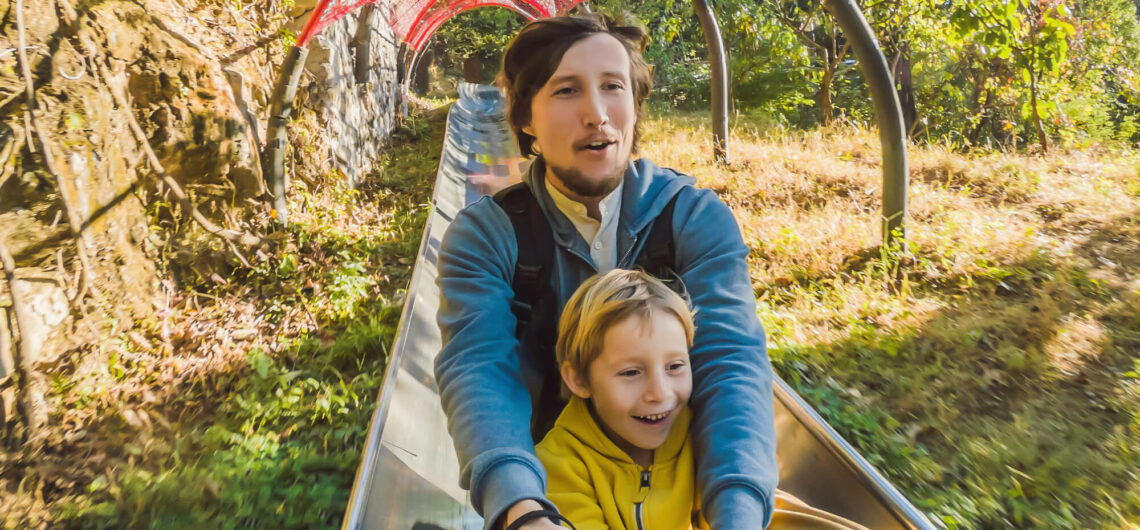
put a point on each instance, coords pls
(7, 361)
(69, 14)
(82, 240)
(180, 36)
(800, 30)
(233, 237)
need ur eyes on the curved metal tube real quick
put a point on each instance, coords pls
(276, 140)
(718, 66)
(362, 45)
(410, 66)
(888, 112)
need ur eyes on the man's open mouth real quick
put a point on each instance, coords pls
(652, 419)
(599, 145)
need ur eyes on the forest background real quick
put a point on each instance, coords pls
(992, 372)
(970, 74)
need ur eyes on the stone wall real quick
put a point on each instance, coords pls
(358, 108)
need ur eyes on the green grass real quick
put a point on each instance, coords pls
(281, 448)
(270, 434)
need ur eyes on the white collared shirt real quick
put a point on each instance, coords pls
(601, 236)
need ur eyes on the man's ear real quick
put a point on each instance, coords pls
(575, 382)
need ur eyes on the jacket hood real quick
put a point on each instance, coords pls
(648, 188)
(579, 422)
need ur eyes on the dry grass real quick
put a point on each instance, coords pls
(987, 371)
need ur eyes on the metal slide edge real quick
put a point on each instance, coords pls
(363, 481)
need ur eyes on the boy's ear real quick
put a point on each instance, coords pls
(575, 382)
(528, 129)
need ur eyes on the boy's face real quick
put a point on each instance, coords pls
(640, 382)
(583, 118)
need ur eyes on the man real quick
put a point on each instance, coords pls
(575, 90)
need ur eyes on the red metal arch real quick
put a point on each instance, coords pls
(414, 21)
(432, 21)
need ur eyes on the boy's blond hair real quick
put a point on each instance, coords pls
(605, 300)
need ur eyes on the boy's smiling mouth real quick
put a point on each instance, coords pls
(653, 419)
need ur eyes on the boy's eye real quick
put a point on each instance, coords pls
(614, 86)
(628, 373)
(563, 90)
(676, 366)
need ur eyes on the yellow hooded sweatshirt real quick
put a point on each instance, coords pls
(597, 486)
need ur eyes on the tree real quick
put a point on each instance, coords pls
(813, 26)
(474, 40)
(898, 24)
(1031, 35)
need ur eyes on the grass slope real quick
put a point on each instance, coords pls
(992, 371)
(248, 404)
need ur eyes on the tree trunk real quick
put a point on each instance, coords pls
(1041, 137)
(824, 96)
(982, 108)
(421, 78)
(473, 69)
(895, 47)
(901, 72)
(1036, 116)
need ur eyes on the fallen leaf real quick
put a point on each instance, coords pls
(132, 418)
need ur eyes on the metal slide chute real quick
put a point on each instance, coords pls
(409, 474)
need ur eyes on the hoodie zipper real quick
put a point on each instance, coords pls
(628, 251)
(638, 513)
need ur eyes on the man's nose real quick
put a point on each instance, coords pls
(594, 114)
(658, 388)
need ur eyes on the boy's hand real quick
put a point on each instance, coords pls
(524, 507)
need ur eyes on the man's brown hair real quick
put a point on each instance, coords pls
(535, 53)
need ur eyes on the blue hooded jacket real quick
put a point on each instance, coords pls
(483, 387)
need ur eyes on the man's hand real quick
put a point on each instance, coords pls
(524, 507)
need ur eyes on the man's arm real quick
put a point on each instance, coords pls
(477, 370)
(733, 429)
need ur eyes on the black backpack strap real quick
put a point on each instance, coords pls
(658, 256)
(536, 249)
(554, 517)
(534, 305)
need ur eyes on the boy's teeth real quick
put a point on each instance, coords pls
(655, 417)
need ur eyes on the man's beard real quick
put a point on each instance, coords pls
(584, 187)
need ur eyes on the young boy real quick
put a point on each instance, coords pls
(619, 455)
